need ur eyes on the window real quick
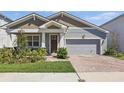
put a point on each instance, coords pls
(29, 41)
(33, 41)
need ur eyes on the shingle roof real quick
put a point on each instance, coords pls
(77, 18)
(8, 19)
(112, 20)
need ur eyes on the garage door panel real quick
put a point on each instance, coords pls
(81, 41)
(78, 47)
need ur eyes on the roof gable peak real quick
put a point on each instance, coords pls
(77, 19)
(29, 16)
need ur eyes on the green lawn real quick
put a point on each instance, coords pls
(122, 57)
(64, 66)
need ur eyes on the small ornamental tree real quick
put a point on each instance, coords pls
(21, 40)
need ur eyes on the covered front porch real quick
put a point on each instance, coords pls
(50, 36)
(51, 41)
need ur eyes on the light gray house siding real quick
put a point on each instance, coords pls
(88, 33)
(85, 41)
(116, 26)
(68, 21)
(29, 24)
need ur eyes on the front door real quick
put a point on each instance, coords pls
(53, 43)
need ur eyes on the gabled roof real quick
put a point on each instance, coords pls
(52, 23)
(112, 20)
(5, 17)
(78, 19)
(32, 15)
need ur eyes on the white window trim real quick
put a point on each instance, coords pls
(32, 40)
(50, 41)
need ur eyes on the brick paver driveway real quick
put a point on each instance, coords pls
(97, 63)
(98, 68)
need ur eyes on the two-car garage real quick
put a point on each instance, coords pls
(83, 46)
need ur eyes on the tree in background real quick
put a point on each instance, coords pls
(114, 37)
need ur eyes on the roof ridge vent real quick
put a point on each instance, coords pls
(62, 13)
(33, 14)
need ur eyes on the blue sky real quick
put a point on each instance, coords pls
(96, 17)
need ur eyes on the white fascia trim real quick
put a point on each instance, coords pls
(41, 17)
(94, 26)
(53, 31)
(80, 28)
(20, 20)
(83, 21)
(54, 15)
(26, 18)
(53, 22)
(85, 38)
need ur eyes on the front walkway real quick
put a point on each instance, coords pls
(98, 68)
(52, 58)
(38, 77)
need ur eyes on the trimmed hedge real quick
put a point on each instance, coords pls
(113, 52)
(10, 56)
(62, 53)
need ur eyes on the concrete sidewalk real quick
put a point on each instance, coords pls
(102, 76)
(62, 77)
(38, 77)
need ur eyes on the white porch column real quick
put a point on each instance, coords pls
(43, 40)
(62, 40)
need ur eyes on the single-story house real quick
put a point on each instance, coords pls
(58, 30)
(116, 29)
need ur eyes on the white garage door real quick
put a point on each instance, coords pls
(79, 46)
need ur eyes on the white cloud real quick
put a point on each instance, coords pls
(104, 16)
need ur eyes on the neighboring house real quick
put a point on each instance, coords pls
(4, 20)
(3, 35)
(116, 36)
(58, 30)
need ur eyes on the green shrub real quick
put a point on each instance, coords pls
(9, 56)
(37, 55)
(21, 54)
(113, 52)
(42, 52)
(110, 51)
(120, 54)
(62, 53)
(6, 55)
